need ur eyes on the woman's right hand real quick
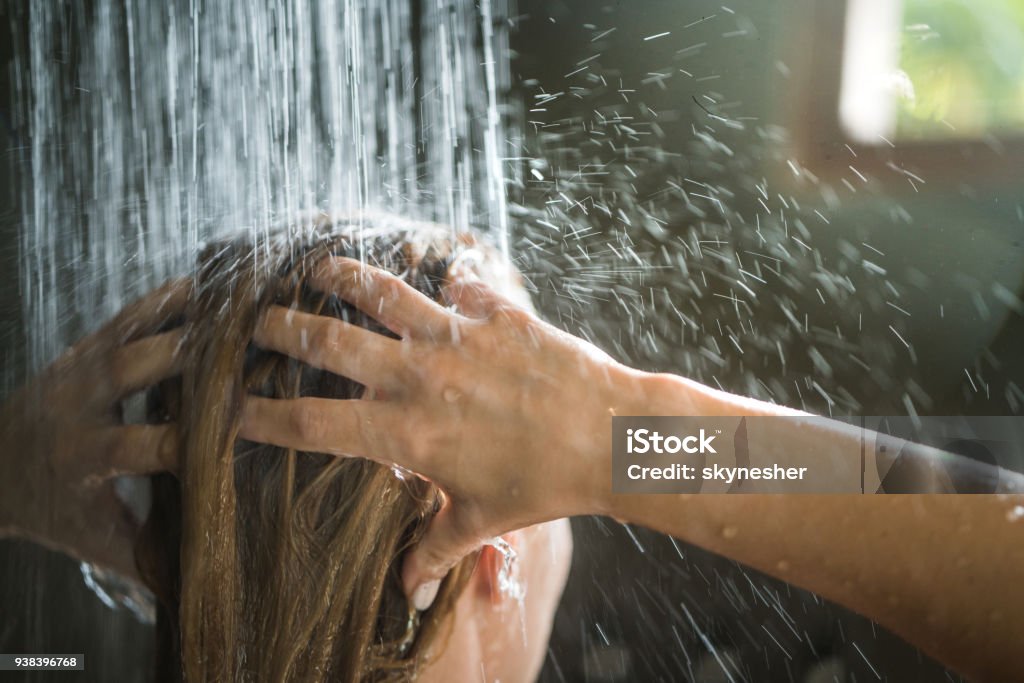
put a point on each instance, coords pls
(507, 414)
(63, 439)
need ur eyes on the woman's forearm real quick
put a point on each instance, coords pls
(917, 564)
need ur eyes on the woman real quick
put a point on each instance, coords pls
(511, 418)
(275, 564)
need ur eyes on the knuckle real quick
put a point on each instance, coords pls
(515, 317)
(478, 339)
(427, 365)
(482, 294)
(168, 450)
(452, 292)
(422, 440)
(374, 280)
(324, 339)
(118, 453)
(418, 447)
(445, 370)
(308, 424)
(419, 363)
(367, 435)
(391, 285)
(464, 293)
(387, 291)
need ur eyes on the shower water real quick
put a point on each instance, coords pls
(152, 128)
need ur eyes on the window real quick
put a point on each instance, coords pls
(932, 70)
(929, 89)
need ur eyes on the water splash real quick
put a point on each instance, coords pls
(509, 584)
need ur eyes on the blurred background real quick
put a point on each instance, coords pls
(892, 131)
(814, 202)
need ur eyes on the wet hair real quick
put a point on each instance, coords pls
(271, 564)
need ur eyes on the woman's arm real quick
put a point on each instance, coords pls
(943, 571)
(513, 419)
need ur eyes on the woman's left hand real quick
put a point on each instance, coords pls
(63, 438)
(510, 416)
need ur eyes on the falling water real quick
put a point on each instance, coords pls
(156, 127)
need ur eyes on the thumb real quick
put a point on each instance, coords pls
(428, 563)
(474, 298)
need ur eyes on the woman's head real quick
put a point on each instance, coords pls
(272, 564)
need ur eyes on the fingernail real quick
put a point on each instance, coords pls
(423, 596)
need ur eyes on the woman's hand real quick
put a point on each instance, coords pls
(508, 415)
(63, 439)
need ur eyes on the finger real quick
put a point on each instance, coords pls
(107, 538)
(129, 449)
(145, 362)
(88, 362)
(475, 299)
(147, 315)
(440, 549)
(331, 344)
(365, 429)
(386, 297)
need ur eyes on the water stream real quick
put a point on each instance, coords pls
(155, 127)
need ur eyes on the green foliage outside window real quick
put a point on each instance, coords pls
(963, 62)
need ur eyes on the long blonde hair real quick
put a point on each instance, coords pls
(271, 564)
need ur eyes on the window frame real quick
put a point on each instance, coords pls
(820, 144)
